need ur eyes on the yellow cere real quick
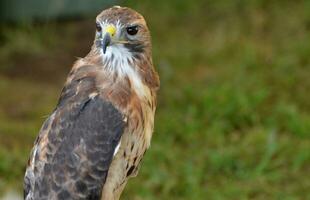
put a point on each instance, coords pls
(111, 29)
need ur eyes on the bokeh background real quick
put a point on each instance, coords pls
(233, 118)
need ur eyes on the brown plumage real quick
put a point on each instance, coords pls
(97, 135)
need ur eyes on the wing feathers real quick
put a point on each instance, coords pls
(79, 147)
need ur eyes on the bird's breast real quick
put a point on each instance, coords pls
(137, 102)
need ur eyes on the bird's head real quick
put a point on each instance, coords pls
(121, 31)
(122, 46)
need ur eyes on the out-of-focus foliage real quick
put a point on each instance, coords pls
(233, 118)
(31, 10)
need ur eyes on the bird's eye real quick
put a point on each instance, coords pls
(98, 27)
(132, 30)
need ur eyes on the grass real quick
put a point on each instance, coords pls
(233, 118)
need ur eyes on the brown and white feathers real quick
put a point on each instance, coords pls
(102, 125)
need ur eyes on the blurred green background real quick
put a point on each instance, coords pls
(233, 118)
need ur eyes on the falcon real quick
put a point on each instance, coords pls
(95, 138)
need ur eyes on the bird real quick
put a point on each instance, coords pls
(95, 138)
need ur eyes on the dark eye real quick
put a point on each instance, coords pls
(132, 30)
(98, 27)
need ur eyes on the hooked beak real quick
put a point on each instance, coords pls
(106, 42)
(107, 38)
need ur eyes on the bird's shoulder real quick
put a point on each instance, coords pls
(76, 143)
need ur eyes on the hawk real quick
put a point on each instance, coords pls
(95, 138)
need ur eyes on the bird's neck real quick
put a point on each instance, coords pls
(119, 63)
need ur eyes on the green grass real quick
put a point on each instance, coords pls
(233, 118)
